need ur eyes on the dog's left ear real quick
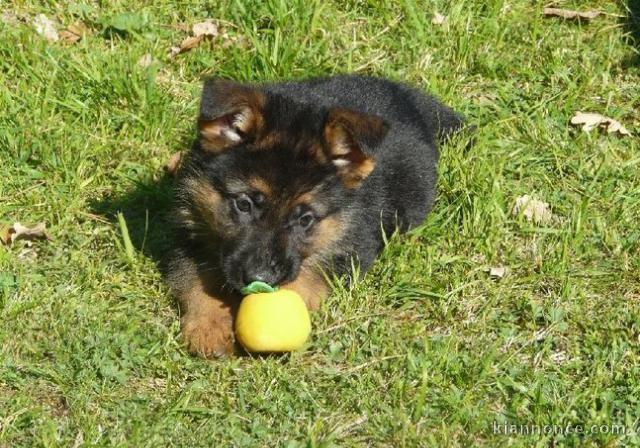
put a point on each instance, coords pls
(230, 114)
(350, 137)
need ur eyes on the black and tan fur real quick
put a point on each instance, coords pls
(289, 181)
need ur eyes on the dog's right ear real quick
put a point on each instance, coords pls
(230, 114)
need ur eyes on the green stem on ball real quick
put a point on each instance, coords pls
(257, 288)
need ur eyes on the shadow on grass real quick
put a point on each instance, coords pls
(145, 209)
(632, 26)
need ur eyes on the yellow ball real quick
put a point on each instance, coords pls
(273, 322)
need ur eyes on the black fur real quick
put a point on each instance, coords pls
(401, 190)
(397, 194)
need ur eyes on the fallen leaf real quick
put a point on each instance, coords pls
(172, 166)
(69, 37)
(190, 43)
(438, 19)
(19, 232)
(570, 15)
(46, 28)
(73, 33)
(173, 52)
(207, 28)
(590, 121)
(497, 272)
(532, 209)
(201, 31)
(145, 61)
(187, 44)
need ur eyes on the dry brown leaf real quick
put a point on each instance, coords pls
(17, 231)
(207, 28)
(201, 31)
(187, 44)
(438, 19)
(532, 209)
(570, 15)
(497, 272)
(73, 33)
(46, 28)
(590, 121)
(190, 43)
(69, 37)
(172, 166)
(145, 61)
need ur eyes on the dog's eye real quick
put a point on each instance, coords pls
(243, 204)
(306, 221)
(258, 198)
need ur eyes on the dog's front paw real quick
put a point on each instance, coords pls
(207, 337)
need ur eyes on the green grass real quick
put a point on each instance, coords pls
(427, 350)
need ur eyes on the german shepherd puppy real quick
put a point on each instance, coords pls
(289, 181)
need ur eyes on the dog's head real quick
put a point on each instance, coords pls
(270, 180)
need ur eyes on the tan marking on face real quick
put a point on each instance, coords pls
(309, 198)
(327, 232)
(208, 206)
(304, 198)
(261, 185)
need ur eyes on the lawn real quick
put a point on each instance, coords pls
(428, 349)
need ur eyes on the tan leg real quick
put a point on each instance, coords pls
(207, 322)
(311, 286)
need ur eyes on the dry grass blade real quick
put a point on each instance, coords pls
(570, 14)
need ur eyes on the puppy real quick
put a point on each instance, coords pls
(290, 181)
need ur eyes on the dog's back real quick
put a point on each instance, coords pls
(396, 103)
(401, 190)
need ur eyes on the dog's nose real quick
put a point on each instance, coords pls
(267, 276)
